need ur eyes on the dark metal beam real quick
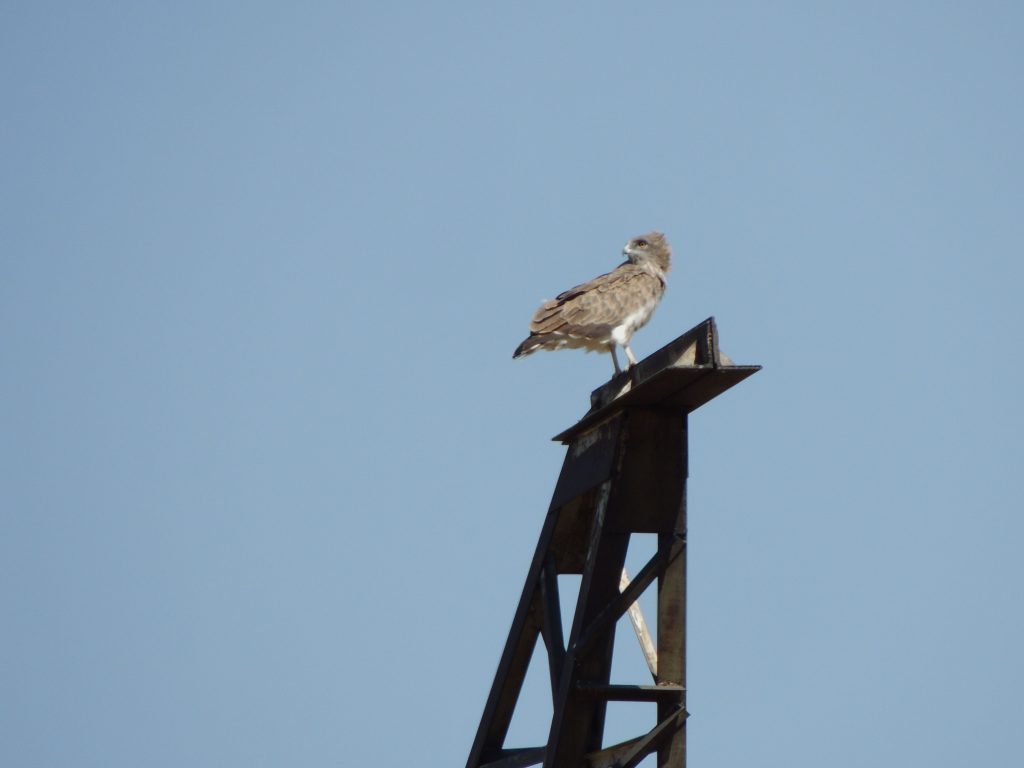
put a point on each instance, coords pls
(685, 374)
(511, 672)
(551, 629)
(624, 473)
(655, 739)
(670, 694)
(615, 609)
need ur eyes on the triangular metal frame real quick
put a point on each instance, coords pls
(624, 472)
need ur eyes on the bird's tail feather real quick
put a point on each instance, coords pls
(536, 341)
(527, 346)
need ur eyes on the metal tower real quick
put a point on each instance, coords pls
(624, 472)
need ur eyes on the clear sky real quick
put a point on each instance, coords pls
(270, 480)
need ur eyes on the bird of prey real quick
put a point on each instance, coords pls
(608, 310)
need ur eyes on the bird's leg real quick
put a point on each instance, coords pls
(629, 355)
(615, 360)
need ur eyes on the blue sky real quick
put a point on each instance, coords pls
(270, 481)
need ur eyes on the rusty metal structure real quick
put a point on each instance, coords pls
(624, 472)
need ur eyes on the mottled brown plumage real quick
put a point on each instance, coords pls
(608, 310)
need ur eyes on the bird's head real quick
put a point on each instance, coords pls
(651, 248)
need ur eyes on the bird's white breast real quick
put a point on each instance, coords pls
(623, 332)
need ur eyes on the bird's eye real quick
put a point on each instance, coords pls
(641, 243)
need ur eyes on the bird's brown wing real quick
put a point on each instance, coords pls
(595, 307)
